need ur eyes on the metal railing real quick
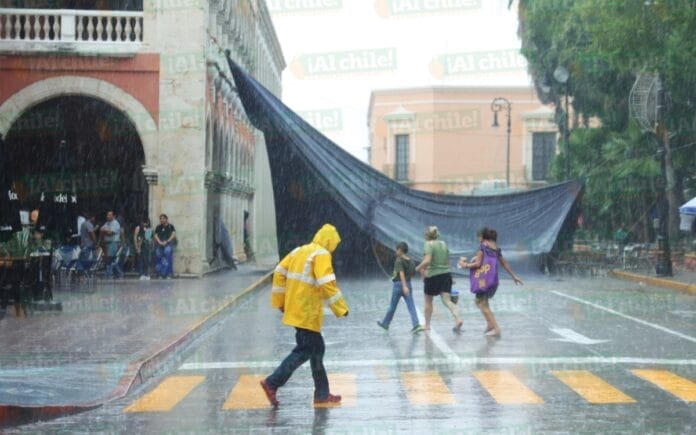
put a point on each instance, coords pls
(593, 259)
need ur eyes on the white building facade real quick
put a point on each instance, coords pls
(178, 138)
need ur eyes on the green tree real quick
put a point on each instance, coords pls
(604, 45)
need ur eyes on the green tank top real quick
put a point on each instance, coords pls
(439, 253)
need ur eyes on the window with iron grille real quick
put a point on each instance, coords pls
(543, 152)
(401, 164)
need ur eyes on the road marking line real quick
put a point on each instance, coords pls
(442, 345)
(505, 388)
(626, 316)
(247, 394)
(668, 381)
(426, 388)
(167, 394)
(571, 336)
(591, 387)
(461, 362)
(438, 341)
(684, 313)
(343, 384)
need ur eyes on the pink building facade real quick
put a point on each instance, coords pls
(442, 139)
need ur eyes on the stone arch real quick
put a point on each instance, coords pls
(43, 90)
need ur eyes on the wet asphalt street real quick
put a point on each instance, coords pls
(585, 355)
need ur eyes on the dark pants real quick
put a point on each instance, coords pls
(310, 346)
(143, 261)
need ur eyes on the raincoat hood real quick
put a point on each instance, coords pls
(327, 237)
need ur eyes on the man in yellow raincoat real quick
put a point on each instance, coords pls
(302, 282)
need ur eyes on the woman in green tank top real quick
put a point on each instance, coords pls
(435, 269)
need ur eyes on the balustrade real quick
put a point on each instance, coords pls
(41, 29)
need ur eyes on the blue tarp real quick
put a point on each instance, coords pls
(316, 181)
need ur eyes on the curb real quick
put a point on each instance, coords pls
(136, 373)
(13, 415)
(658, 282)
(139, 371)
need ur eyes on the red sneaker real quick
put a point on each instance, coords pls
(270, 393)
(331, 399)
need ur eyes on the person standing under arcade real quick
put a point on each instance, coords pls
(165, 239)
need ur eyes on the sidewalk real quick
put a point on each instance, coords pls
(684, 281)
(107, 339)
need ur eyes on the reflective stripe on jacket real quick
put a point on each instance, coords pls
(305, 278)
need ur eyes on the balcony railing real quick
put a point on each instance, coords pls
(70, 30)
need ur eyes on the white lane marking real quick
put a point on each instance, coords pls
(438, 341)
(573, 337)
(685, 313)
(436, 338)
(473, 361)
(626, 316)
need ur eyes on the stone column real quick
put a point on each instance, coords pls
(153, 194)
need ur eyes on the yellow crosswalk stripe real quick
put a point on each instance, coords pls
(505, 387)
(344, 385)
(426, 388)
(167, 394)
(668, 381)
(247, 394)
(591, 387)
(422, 388)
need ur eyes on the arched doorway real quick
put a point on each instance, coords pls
(80, 144)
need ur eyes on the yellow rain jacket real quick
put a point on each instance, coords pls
(304, 279)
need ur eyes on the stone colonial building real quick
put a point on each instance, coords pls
(442, 139)
(130, 104)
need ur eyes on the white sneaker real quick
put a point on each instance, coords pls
(143, 277)
(147, 278)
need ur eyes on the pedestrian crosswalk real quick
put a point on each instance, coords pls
(426, 388)
(245, 394)
(591, 387)
(506, 388)
(167, 394)
(670, 382)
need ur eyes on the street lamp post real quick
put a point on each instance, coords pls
(497, 105)
(664, 254)
(561, 75)
(663, 266)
